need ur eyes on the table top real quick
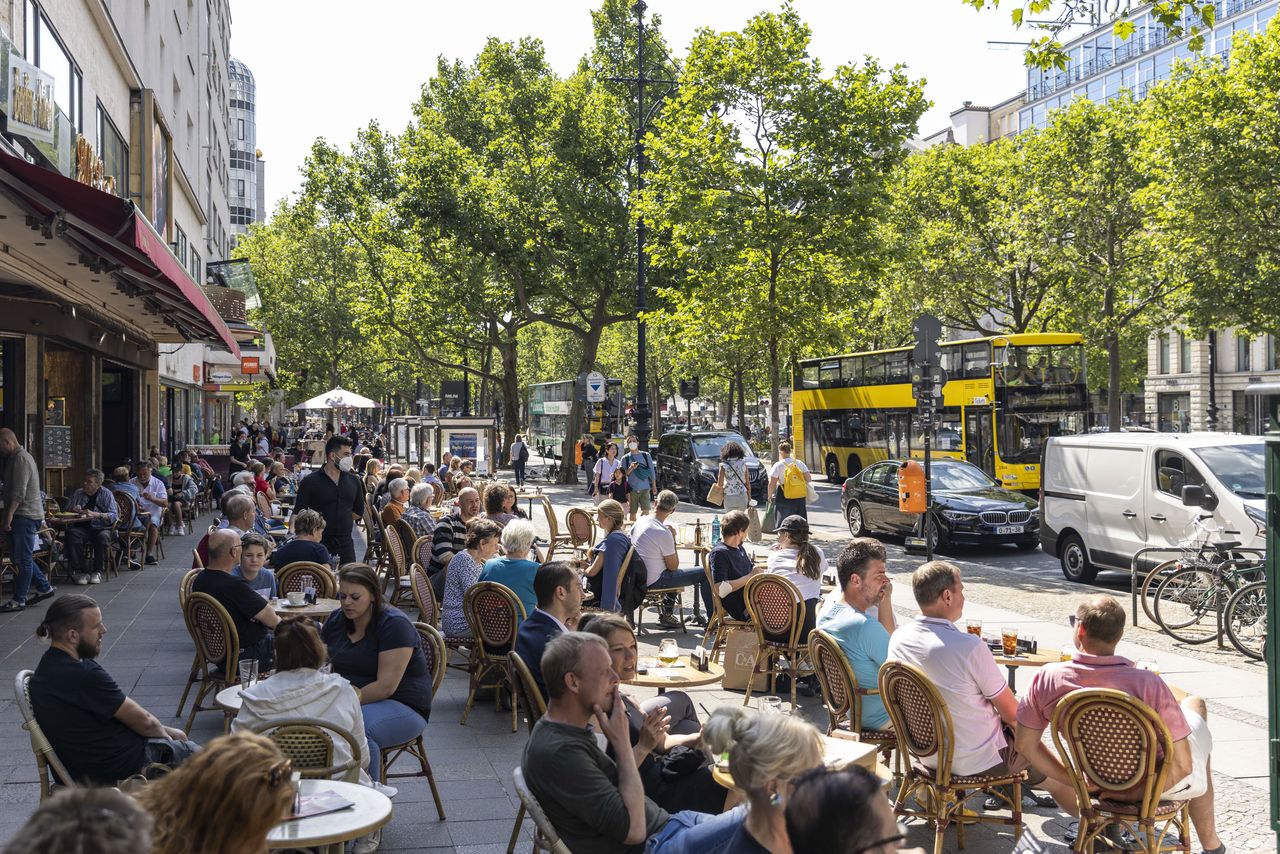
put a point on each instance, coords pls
(371, 810)
(229, 699)
(321, 608)
(678, 677)
(1029, 659)
(836, 753)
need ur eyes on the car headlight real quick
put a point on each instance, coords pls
(958, 516)
(1259, 518)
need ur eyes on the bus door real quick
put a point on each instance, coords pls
(811, 452)
(899, 436)
(979, 447)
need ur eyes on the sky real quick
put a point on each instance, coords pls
(325, 68)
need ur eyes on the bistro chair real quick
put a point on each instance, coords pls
(581, 528)
(842, 696)
(395, 566)
(420, 552)
(432, 643)
(308, 743)
(535, 707)
(372, 535)
(301, 574)
(777, 612)
(555, 537)
(494, 613)
(184, 591)
(545, 837)
(217, 648)
(424, 596)
(1111, 742)
(718, 626)
(196, 563)
(923, 725)
(129, 538)
(40, 746)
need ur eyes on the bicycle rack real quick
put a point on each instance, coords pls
(1133, 579)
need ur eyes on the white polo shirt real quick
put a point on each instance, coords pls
(652, 541)
(966, 674)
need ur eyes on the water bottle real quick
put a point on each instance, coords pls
(715, 530)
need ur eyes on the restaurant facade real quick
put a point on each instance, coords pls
(100, 276)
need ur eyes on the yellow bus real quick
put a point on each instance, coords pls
(1004, 396)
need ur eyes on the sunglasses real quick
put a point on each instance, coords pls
(894, 840)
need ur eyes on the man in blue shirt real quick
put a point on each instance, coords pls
(863, 636)
(642, 477)
(98, 509)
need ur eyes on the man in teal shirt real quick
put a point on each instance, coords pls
(863, 636)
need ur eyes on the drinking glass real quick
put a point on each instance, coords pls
(1009, 641)
(310, 593)
(668, 652)
(248, 672)
(974, 627)
(771, 705)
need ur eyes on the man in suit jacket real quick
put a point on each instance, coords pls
(559, 592)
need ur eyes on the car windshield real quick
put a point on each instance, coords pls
(1237, 467)
(706, 447)
(957, 476)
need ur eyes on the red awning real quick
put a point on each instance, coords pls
(115, 230)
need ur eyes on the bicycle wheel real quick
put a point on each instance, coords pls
(1187, 605)
(1151, 582)
(1246, 619)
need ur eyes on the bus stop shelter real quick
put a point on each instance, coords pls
(419, 439)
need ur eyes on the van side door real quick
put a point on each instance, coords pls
(1115, 477)
(1168, 520)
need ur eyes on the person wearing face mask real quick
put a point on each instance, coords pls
(641, 477)
(336, 494)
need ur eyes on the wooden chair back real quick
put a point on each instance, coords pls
(421, 551)
(214, 633)
(551, 839)
(184, 587)
(920, 716)
(396, 563)
(407, 538)
(196, 562)
(308, 743)
(534, 703)
(424, 595)
(839, 684)
(437, 655)
(549, 511)
(777, 610)
(301, 574)
(40, 746)
(494, 613)
(581, 528)
(622, 575)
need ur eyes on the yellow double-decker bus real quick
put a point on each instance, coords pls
(1004, 396)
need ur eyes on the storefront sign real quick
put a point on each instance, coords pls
(463, 445)
(195, 373)
(556, 407)
(220, 375)
(248, 364)
(90, 169)
(31, 104)
(229, 387)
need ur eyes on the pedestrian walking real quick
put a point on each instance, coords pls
(519, 458)
(641, 476)
(589, 456)
(602, 473)
(23, 516)
(789, 485)
(732, 477)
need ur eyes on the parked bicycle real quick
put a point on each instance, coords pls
(1190, 602)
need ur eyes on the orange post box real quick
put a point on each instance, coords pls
(911, 497)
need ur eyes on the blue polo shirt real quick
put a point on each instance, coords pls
(865, 642)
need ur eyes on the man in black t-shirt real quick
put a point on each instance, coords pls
(252, 615)
(239, 452)
(100, 735)
(337, 495)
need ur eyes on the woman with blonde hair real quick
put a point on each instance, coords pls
(223, 800)
(609, 553)
(767, 752)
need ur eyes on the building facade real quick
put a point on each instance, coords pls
(247, 172)
(1246, 381)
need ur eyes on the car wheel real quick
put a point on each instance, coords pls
(693, 491)
(833, 470)
(1075, 560)
(1027, 545)
(934, 535)
(853, 515)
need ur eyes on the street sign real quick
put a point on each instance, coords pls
(595, 387)
(927, 330)
(689, 388)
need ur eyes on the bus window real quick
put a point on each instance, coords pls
(977, 360)
(851, 370)
(896, 368)
(808, 375)
(877, 434)
(829, 375)
(950, 359)
(946, 431)
(873, 369)
(855, 433)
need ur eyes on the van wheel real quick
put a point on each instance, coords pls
(1075, 560)
(833, 470)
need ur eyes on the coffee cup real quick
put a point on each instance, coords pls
(297, 597)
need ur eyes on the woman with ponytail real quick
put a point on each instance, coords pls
(800, 562)
(766, 753)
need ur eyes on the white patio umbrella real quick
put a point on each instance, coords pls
(337, 398)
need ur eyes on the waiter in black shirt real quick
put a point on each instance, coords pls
(239, 452)
(336, 494)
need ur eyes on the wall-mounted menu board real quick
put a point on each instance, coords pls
(57, 447)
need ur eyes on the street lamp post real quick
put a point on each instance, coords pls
(1213, 372)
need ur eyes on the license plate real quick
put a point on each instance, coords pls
(1009, 529)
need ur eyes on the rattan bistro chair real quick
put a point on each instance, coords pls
(432, 644)
(545, 837)
(308, 742)
(184, 590)
(424, 596)
(1112, 742)
(40, 746)
(842, 696)
(555, 537)
(494, 613)
(217, 647)
(535, 707)
(301, 574)
(395, 565)
(718, 626)
(777, 612)
(924, 728)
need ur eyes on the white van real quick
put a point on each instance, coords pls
(1104, 496)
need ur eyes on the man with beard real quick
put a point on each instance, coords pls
(101, 735)
(336, 494)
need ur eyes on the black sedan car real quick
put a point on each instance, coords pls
(689, 462)
(966, 506)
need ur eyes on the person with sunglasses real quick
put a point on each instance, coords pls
(253, 617)
(843, 812)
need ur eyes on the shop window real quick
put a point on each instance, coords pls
(1163, 358)
(114, 152)
(1243, 347)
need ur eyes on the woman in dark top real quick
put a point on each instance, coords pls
(608, 554)
(376, 647)
(664, 733)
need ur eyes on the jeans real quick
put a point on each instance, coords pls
(386, 724)
(77, 537)
(168, 751)
(694, 577)
(519, 465)
(689, 832)
(24, 531)
(344, 547)
(264, 651)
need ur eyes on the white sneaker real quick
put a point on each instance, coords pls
(389, 791)
(182, 530)
(82, 579)
(96, 578)
(367, 844)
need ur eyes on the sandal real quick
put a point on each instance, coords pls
(12, 606)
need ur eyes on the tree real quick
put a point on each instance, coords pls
(1087, 188)
(767, 178)
(967, 246)
(1213, 146)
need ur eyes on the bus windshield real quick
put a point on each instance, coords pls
(1049, 364)
(1021, 434)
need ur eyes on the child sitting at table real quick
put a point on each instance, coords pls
(253, 559)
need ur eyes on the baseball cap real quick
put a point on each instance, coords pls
(795, 524)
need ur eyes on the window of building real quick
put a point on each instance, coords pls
(239, 128)
(114, 152)
(1269, 352)
(1184, 353)
(1162, 344)
(197, 267)
(43, 48)
(1243, 345)
(180, 244)
(240, 187)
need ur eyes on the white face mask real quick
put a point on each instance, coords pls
(635, 446)
(346, 464)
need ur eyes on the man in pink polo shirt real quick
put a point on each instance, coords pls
(1099, 627)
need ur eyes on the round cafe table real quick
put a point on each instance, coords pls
(370, 810)
(837, 753)
(678, 677)
(321, 609)
(229, 700)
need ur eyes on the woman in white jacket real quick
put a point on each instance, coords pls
(299, 690)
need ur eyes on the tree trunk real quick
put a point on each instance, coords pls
(590, 347)
(775, 390)
(1113, 382)
(742, 402)
(508, 349)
